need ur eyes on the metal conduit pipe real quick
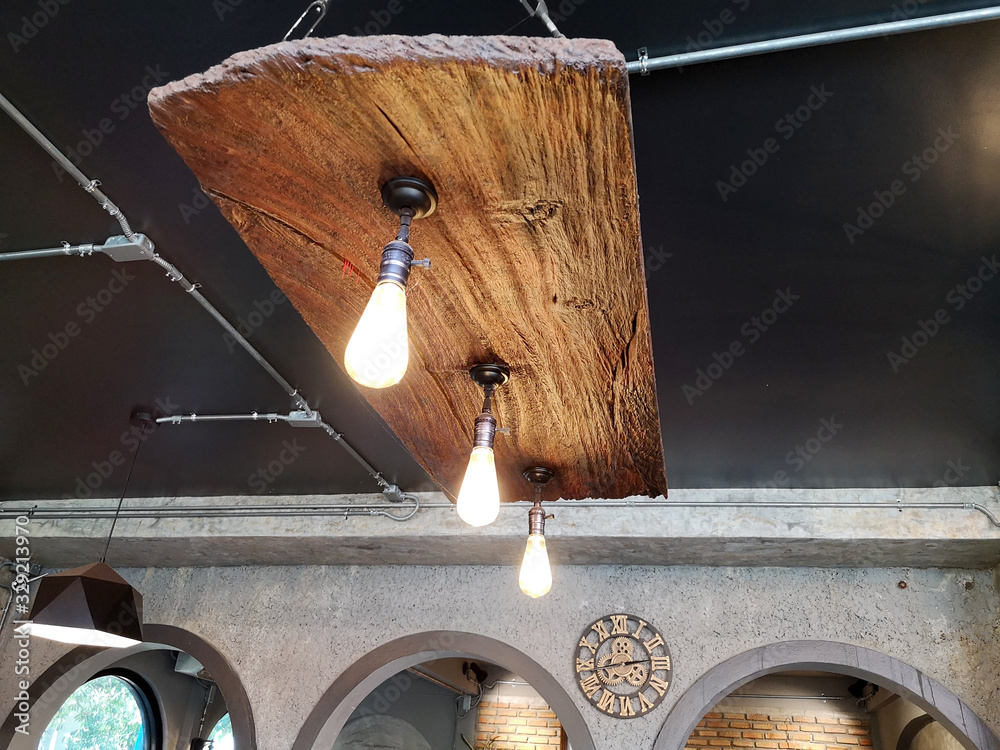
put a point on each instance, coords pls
(50, 252)
(251, 417)
(90, 186)
(645, 65)
(305, 418)
(142, 249)
(823, 698)
(174, 274)
(222, 511)
(320, 509)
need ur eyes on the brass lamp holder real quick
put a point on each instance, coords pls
(409, 198)
(539, 476)
(489, 377)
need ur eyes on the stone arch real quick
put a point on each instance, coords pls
(829, 656)
(50, 689)
(911, 730)
(337, 704)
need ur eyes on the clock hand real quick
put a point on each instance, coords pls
(625, 663)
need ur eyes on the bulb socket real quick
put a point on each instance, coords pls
(486, 429)
(536, 519)
(396, 259)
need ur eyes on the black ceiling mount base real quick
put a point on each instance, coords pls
(490, 374)
(143, 418)
(538, 475)
(409, 192)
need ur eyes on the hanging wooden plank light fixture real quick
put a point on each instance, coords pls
(534, 242)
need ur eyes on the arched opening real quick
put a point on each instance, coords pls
(826, 657)
(179, 679)
(357, 684)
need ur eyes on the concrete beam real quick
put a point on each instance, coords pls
(692, 528)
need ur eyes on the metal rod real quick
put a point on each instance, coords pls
(173, 273)
(89, 186)
(320, 509)
(793, 697)
(225, 511)
(436, 681)
(252, 417)
(50, 252)
(832, 36)
(311, 418)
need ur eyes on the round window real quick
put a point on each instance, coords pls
(222, 736)
(107, 713)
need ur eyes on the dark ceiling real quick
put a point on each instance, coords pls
(824, 358)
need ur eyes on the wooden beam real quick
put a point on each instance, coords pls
(535, 244)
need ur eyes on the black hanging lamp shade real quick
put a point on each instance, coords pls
(91, 605)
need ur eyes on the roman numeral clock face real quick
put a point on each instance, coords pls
(623, 666)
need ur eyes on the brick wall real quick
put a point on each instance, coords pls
(774, 732)
(518, 725)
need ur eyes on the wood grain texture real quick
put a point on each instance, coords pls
(535, 244)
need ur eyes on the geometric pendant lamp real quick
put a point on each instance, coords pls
(91, 605)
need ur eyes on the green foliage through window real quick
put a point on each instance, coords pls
(222, 735)
(103, 714)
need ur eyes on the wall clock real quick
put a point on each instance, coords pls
(623, 666)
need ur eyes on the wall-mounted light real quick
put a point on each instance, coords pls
(379, 349)
(536, 574)
(479, 498)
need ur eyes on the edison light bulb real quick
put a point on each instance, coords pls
(536, 575)
(378, 351)
(479, 498)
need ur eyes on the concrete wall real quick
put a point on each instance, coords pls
(290, 631)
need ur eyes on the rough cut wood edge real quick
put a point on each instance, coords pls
(599, 432)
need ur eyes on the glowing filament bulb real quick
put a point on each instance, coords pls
(379, 350)
(479, 498)
(536, 574)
